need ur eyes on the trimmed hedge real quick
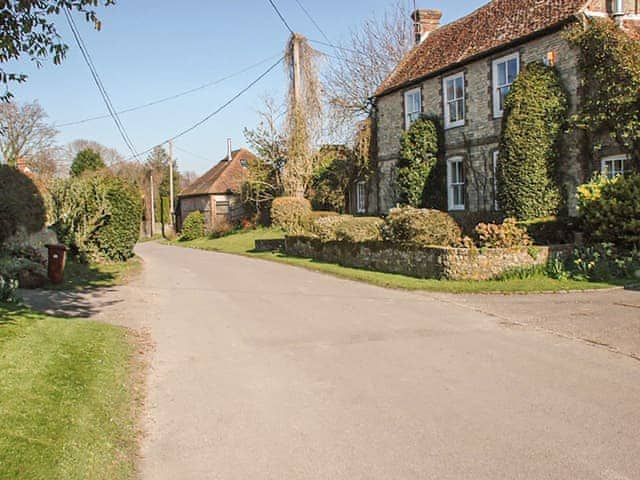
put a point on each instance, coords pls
(610, 210)
(421, 227)
(348, 228)
(550, 230)
(505, 235)
(535, 114)
(193, 226)
(21, 204)
(291, 214)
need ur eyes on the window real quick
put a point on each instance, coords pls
(613, 166)
(455, 183)
(505, 71)
(494, 168)
(361, 197)
(453, 92)
(412, 107)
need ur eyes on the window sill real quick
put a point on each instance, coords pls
(451, 126)
(456, 208)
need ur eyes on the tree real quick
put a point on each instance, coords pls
(304, 112)
(110, 156)
(27, 29)
(364, 60)
(87, 160)
(24, 131)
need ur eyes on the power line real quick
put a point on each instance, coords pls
(202, 157)
(170, 97)
(218, 110)
(286, 24)
(310, 17)
(96, 77)
(338, 47)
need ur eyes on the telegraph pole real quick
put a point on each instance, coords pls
(153, 209)
(171, 209)
(296, 70)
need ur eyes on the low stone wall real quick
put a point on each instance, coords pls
(430, 262)
(269, 245)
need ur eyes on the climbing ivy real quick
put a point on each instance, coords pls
(610, 83)
(420, 150)
(534, 119)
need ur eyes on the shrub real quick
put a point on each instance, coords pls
(98, 217)
(27, 273)
(325, 227)
(506, 235)
(420, 148)
(87, 160)
(610, 210)
(221, 228)
(534, 118)
(550, 230)
(8, 288)
(421, 226)
(193, 226)
(360, 229)
(117, 237)
(291, 214)
(21, 204)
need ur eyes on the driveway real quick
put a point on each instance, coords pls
(264, 371)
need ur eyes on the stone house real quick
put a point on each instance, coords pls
(462, 71)
(216, 194)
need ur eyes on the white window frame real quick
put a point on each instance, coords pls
(604, 170)
(497, 111)
(447, 101)
(408, 115)
(494, 166)
(451, 185)
(361, 197)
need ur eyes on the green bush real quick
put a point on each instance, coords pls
(535, 115)
(550, 230)
(193, 227)
(21, 204)
(115, 240)
(421, 227)
(420, 149)
(610, 210)
(506, 235)
(8, 288)
(603, 262)
(291, 214)
(98, 217)
(347, 228)
(87, 160)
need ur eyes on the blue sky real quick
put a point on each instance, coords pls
(149, 49)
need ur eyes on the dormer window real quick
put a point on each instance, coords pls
(412, 106)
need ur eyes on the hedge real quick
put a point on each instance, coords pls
(535, 115)
(291, 214)
(421, 227)
(21, 204)
(193, 226)
(348, 228)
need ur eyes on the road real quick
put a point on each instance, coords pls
(265, 371)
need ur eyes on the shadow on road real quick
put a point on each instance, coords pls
(72, 304)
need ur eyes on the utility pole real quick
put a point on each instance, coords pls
(153, 208)
(296, 70)
(171, 209)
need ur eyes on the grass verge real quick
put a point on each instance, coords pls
(97, 275)
(243, 244)
(69, 397)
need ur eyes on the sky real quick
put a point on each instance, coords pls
(151, 49)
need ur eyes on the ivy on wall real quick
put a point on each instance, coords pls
(420, 152)
(534, 119)
(610, 83)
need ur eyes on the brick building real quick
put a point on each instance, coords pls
(462, 71)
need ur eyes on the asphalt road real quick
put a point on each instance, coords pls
(264, 371)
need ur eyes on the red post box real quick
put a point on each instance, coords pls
(57, 260)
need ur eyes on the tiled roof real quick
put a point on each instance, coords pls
(498, 23)
(226, 176)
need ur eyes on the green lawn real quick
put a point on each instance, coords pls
(97, 275)
(69, 395)
(243, 243)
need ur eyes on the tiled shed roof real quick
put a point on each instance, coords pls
(497, 23)
(226, 176)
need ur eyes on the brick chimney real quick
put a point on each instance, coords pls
(425, 22)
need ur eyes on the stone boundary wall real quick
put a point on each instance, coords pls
(423, 262)
(269, 245)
